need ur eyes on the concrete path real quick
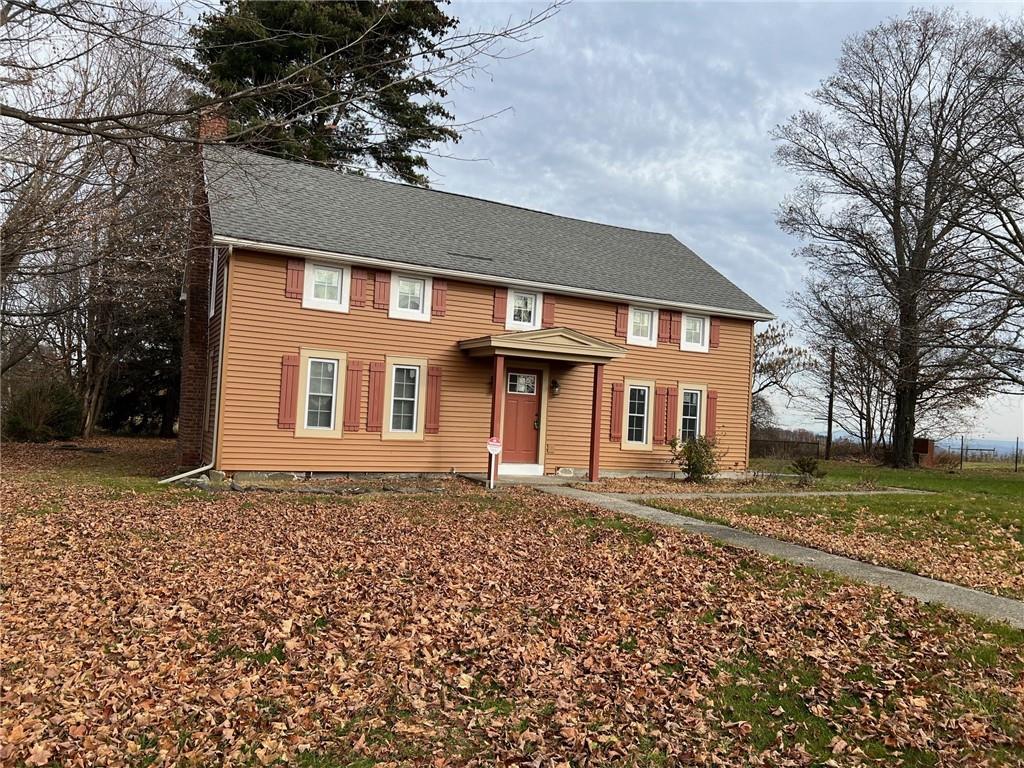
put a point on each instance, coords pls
(924, 589)
(762, 494)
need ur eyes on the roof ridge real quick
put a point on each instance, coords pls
(394, 183)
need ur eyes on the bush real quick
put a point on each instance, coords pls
(698, 458)
(42, 411)
(807, 468)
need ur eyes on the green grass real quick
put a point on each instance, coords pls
(996, 481)
(636, 533)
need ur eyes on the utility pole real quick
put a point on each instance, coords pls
(831, 401)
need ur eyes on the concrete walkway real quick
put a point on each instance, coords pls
(763, 494)
(924, 589)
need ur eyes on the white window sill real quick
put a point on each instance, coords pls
(407, 314)
(693, 347)
(640, 341)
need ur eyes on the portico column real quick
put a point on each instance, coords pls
(595, 423)
(497, 405)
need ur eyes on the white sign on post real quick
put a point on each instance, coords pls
(493, 449)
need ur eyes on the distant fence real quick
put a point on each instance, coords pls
(784, 449)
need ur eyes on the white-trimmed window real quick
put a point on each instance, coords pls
(643, 327)
(695, 333)
(410, 297)
(321, 393)
(636, 415)
(523, 312)
(690, 405)
(326, 286)
(406, 398)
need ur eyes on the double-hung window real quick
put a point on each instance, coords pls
(410, 297)
(523, 313)
(690, 407)
(636, 427)
(406, 393)
(695, 333)
(321, 393)
(326, 286)
(643, 327)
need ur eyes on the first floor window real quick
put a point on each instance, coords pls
(404, 398)
(691, 415)
(321, 388)
(523, 311)
(695, 333)
(636, 418)
(643, 327)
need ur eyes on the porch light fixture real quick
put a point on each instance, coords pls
(555, 387)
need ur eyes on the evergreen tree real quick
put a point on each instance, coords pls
(342, 84)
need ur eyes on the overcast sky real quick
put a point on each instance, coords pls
(657, 116)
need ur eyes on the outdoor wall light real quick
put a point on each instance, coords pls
(555, 387)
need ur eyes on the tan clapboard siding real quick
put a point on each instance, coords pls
(725, 369)
(263, 325)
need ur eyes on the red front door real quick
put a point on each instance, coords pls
(522, 416)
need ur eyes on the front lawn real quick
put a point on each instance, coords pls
(176, 628)
(969, 531)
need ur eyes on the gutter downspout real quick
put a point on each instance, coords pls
(220, 373)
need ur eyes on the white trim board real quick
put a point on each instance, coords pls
(531, 470)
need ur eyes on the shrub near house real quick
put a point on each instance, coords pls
(372, 326)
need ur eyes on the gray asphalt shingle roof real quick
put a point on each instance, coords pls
(283, 202)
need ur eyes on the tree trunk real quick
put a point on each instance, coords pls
(170, 412)
(904, 421)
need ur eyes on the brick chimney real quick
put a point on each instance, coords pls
(200, 334)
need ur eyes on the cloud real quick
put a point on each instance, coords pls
(657, 116)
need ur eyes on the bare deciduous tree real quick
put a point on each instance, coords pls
(889, 205)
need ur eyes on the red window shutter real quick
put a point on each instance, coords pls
(295, 278)
(289, 392)
(712, 417)
(547, 317)
(716, 332)
(381, 291)
(664, 326)
(621, 320)
(375, 399)
(675, 334)
(433, 420)
(353, 393)
(660, 413)
(439, 298)
(358, 298)
(500, 304)
(615, 427)
(671, 414)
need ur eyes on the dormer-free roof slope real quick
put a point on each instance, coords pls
(293, 204)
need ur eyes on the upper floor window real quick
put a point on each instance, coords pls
(695, 333)
(326, 287)
(410, 297)
(523, 311)
(643, 327)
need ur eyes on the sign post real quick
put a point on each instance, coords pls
(493, 449)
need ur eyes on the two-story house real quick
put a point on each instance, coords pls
(337, 323)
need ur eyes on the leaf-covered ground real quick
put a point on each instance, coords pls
(154, 627)
(973, 539)
(759, 483)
